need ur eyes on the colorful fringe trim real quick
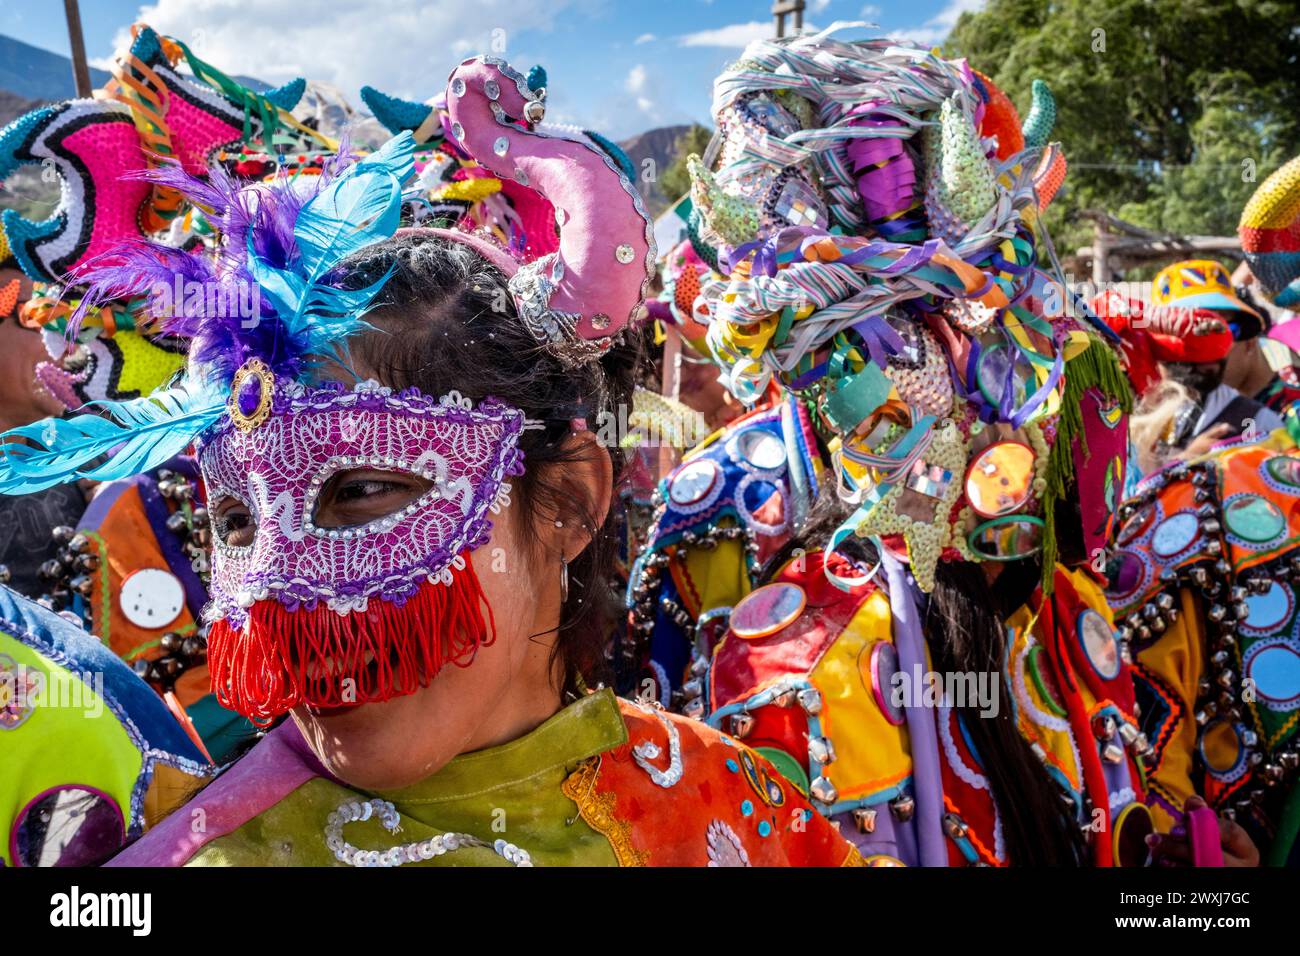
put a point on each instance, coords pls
(278, 660)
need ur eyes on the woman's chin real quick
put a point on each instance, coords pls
(371, 746)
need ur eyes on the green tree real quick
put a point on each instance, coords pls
(1169, 111)
(675, 180)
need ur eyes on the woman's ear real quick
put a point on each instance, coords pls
(586, 482)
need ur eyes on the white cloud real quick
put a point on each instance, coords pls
(817, 6)
(645, 105)
(935, 30)
(871, 12)
(636, 77)
(644, 38)
(403, 47)
(738, 35)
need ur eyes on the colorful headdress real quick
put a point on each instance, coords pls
(1197, 284)
(309, 613)
(875, 210)
(102, 149)
(1270, 235)
(1153, 335)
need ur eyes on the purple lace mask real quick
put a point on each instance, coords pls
(281, 442)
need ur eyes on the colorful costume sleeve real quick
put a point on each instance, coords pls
(807, 675)
(603, 782)
(681, 794)
(1202, 579)
(731, 504)
(90, 754)
(1166, 675)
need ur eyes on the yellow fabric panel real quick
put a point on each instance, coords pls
(1036, 722)
(871, 754)
(1178, 659)
(710, 579)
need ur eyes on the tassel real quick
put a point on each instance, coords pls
(1099, 367)
(282, 658)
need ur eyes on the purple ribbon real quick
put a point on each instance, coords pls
(880, 338)
(927, 781)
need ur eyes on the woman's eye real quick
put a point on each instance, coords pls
(233, 524)
(356, 490)
(358, 497)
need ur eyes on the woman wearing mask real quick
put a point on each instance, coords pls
(409, 513)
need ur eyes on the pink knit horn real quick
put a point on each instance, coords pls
(577, 298)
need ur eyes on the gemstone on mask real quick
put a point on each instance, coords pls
(251, 391)
(151, 598)
(1125, 573)
(249, 396)
(1274, 667)
(1000, 478)
(1268, 611)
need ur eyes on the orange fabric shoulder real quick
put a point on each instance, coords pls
(679, 793)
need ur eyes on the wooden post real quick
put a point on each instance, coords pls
(782, 9)
(80, 71)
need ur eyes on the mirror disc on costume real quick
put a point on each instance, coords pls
(694, 482)
(1099, 644)
(766, 610)
(995, 363)
(1044, 682)
(1285, 470)
(1175, 534)
(1270, 610)
(762, 449)
(1000, 478)
(68, 826)
(1275, 669)
(1132, 827)
(1012, 540)
(1137, 523)
(152, 598)
(1254, 518)
(877, 665)
(1220, 746)
(1125, 572)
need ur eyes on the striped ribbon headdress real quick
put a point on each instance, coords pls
(874, 213)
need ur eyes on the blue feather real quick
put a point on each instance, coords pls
(358, 209)
(139, 435)
(362, 207)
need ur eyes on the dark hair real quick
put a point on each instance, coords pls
(965, 633)
(445, 321)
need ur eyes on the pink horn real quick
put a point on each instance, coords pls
(577, 298)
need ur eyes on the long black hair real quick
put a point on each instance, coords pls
(965, 633)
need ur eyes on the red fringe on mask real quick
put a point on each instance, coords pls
(278, 659)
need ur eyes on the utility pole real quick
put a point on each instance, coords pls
(782, 9)
(80, 71)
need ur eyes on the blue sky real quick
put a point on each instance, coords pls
(618, 66)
